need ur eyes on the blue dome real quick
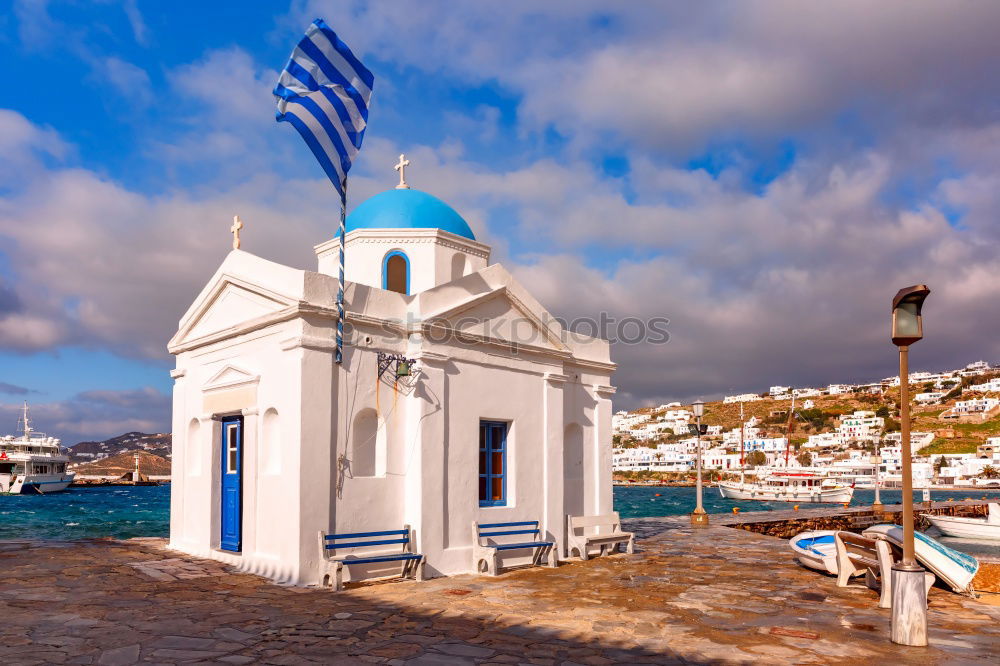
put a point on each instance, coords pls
(407, 209)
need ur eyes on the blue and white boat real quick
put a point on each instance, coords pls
(816, 549)
(955, 568)
(32, 463)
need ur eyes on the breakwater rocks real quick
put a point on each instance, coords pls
(786, 524)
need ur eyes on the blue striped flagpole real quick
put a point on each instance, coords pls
(340, 276)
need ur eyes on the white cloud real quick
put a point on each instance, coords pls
(130, 81)
(135, 20)
(671, 77)
(788, 283)
(24, 145)
(96, 415)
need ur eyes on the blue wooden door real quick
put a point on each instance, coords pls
(232, 483)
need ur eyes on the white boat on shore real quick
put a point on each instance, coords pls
(955, 568)
(816, 549)
(32, 463)
(987, 528)
(788, 487)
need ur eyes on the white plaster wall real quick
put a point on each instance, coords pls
(369, 504)
(271, 501)
(431, 254)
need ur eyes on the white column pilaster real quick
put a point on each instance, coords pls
(427, 437)
(554, 431)
(603, 500)
(179, 454)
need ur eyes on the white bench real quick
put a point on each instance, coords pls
(486, 549)
(608, 534)
(874, 558)
(331, 572)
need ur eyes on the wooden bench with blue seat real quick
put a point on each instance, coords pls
(332, 566)
(486, 550)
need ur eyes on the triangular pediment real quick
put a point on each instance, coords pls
(228, 377)
(229, 304)
(500, 317)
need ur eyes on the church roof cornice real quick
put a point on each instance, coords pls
(407, 236)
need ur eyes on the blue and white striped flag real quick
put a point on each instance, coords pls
(324, 92)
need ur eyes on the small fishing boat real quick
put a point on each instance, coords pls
(969, 528)
(816, 549)
(788, 487)
(949, 565)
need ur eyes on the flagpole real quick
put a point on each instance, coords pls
(340, 276)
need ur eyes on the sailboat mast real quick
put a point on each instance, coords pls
(788, 430)
(742, 431)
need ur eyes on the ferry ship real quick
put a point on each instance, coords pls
(32, 463)
(788, 487)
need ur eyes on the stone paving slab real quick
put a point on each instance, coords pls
(714, 595)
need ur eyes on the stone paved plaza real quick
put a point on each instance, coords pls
(716, 595)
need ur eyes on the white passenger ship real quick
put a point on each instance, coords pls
(32, 463)
(788, 487)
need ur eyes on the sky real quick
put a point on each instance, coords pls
(765, 175)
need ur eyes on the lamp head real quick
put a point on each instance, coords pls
(907, 322)
(699, 408)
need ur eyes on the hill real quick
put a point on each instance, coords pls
(156, 443)
(121, 463)
(951, 436)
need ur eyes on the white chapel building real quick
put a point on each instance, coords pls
(496, 414)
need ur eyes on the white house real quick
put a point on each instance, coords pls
(459, 399)
(991, 386)
(765, 444)
(975, 406)
(779, 391)
(824, 439)
(750, 431)
(918, 440)
(743, 397)
(861, 426)
(719, 458)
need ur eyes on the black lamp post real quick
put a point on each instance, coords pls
(909, 595)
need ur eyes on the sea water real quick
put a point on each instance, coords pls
(654, 501)
(78, 512)
(129, 511)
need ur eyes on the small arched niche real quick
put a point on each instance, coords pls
(457, 265)
(396, 272)
(368, 445)
(271, 440)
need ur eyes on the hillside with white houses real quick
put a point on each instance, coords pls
(838, 430)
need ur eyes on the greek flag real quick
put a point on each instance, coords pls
(323, 92)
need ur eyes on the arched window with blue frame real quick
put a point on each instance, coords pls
(396, 272)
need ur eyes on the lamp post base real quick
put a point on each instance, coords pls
(699, 518)
(909, 607)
